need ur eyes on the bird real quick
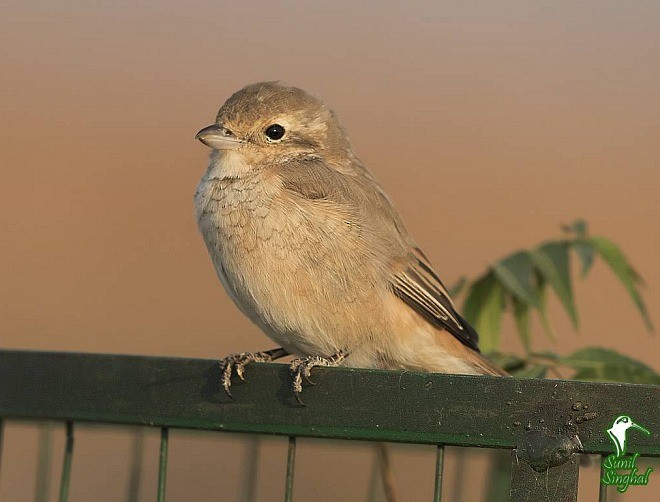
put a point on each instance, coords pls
(618, 431)
(312, 250)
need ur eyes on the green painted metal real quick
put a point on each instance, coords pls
(44, 462)
(347, 403)
(162, 463)
(290, 468)
(250, 470)
(558, 483)
(65, 480)
(2, 432)
(135, 477)
(439, 463)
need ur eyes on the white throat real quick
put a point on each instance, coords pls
(228, 164)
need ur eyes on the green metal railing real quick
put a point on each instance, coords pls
(545, 423)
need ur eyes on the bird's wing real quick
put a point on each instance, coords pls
(420, 287)
(415, 283)
(313, 179)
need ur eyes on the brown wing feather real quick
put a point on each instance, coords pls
(420, 287)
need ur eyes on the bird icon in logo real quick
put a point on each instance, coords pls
(617, 433)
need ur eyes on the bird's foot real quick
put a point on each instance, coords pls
(235, 363)
(301, 369)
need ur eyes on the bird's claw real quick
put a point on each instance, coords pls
(235, 363)
(301, 370)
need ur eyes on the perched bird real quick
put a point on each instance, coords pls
(311, 249)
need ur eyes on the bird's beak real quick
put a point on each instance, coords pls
(218, 138)
(637, 426)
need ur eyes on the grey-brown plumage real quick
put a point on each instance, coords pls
(310, 247)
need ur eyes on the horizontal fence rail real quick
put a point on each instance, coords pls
(543, 422)
(347, 403)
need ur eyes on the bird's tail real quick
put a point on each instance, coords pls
(485, 366)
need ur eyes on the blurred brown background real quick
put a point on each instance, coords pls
(489, 123)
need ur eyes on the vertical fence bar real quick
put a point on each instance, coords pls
(251, 469)
(44, 462)
(439, 462)
(2, 430)
(602, 490)
(65, 480)
(135, 476)
(290, 465)
(162, 464)
(558, 483)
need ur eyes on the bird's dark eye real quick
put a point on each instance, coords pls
(275, 132)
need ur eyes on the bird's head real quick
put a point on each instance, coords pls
(271, 122)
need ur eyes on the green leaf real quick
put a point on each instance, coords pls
(586, 253)
(534, 371)
(508, 362)
(483, 310)
(457, 288)
(578, 228)
(551, 260)
(546, 354)
(516, 273)
(593, 363)
(619, 264)
(521, 316)
(543, 307)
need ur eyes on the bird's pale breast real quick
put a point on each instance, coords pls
(287, 262)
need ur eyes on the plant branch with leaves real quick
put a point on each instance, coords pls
(519, 284)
